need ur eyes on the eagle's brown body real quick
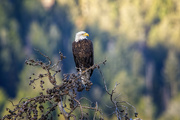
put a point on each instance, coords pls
(83, 55)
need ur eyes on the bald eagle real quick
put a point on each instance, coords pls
(82, 49)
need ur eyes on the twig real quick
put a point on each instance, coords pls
(96, 109)
(65, 114)
(104, 82)
(80, 107)
(44, 56)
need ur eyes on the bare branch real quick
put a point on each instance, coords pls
(71, 84)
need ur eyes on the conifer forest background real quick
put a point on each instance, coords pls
(140, 39)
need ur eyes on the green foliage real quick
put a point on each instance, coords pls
(33, 7)
(3, 98)
(38, 37)
(146, 108)
(127, 33)
(172, 72)
(172, 110)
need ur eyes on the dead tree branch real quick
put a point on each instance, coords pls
(34, 108)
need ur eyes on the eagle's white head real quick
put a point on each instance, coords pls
(81, 35)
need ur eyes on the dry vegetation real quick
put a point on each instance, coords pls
(63, 96)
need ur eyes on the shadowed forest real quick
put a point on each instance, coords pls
(139, 39)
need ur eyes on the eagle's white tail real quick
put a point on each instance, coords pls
(85, 77)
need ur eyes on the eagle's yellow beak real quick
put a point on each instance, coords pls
(86, 34)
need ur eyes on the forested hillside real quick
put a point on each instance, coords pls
(139, 39)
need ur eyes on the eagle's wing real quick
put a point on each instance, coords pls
(83, 54)
(74, 47)
(91, 57)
